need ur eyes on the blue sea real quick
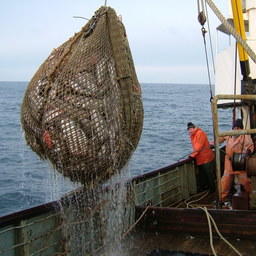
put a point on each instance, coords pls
(27, 181)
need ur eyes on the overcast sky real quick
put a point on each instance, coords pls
(164, 36)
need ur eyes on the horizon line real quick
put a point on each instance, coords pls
(170, 83)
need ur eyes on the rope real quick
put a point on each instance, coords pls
(210, 38)
(232, 30)
(135, 223)
(201, 16)
(185, 201)
(207, 62)
(187, 155)
(183, 157)
(128, 231)
(74, 39)
(212, 222)
(202, 5)
(210, 230)
(205, 193)
(202, 20)
(80, 17)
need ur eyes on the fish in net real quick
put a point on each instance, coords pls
(82, 110)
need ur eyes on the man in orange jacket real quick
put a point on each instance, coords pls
(235, 144)
(204, 157)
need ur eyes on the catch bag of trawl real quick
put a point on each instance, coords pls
(82, 110)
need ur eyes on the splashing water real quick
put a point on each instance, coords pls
(116, 213)
(95, 219)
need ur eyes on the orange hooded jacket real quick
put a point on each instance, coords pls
(201, 147)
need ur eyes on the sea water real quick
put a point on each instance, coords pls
(27, 181)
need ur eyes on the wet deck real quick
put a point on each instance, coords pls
(144, 243)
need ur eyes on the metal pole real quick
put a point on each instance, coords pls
(237, 132)
(216, 142)
(231, 97)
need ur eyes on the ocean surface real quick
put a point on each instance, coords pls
(27, 181)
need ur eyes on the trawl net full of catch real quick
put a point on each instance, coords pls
(82, 109)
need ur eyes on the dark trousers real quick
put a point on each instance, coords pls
(206, 177)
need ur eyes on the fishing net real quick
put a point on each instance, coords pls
(82, 110)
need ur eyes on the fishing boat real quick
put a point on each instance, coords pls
(160, 212)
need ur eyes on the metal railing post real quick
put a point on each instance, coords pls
(216, 142)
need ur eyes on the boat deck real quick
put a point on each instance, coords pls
(203, 199)
(145, 243)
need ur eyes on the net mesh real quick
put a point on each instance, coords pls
(82, 109)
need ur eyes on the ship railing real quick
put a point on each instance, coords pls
(166, 186)
(30, 233)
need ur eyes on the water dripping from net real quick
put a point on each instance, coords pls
(94, 219)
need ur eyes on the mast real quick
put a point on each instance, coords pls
(248, 83)
(250, 7)
(240, 28)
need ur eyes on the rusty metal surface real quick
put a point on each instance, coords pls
(166, 186)
(161, 170)
(230, 222)
(38, 234)
(250, 166)
(28, 213)
(142, 243)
